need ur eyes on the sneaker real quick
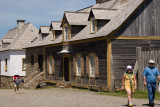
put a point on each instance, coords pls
(130, 105)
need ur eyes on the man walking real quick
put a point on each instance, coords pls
(150, 75)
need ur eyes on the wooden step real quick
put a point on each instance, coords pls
(63, 85)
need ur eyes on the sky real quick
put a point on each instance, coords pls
(38, 12)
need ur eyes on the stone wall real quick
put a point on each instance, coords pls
(35, 67)
(7, 82)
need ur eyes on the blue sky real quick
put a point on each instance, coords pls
(38, 12)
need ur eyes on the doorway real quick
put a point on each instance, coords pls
(66, 68)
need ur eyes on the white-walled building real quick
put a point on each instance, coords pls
(12, 52)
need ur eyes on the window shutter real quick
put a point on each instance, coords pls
(53, 71)
(74, 66)
(96, 66)
(82, 66)
(87, 66)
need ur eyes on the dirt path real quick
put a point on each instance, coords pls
(62, 98)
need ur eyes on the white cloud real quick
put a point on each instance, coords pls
(38, 12)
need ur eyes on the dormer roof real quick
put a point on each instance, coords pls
(55, 25)
(75, 18)
(44, 30)
(101, 13)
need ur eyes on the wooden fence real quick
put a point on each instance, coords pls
(142, 62)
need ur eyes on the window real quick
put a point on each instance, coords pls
(50, 64)
(66, 32)
(32, 60)
(78, 65)
(53, 35)
(23, 64)
(6, 65)
(92, 65)
(93, 25)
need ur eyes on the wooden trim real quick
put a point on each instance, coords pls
(23, 63)
(6, 65)
(44, 60)
(64, 56)
(92, 32)
(109, 52)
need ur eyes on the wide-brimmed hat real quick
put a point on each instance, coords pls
(129, 67)
(151, 62)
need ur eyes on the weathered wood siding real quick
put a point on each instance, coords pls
(144, 22)
(58, 61)
(124, 53)
(98, 47)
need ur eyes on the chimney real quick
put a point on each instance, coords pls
(20, 23)
(101, 1)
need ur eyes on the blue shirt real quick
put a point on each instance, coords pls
(150, 74)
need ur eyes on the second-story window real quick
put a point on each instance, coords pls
(66, 32)
(93, 25)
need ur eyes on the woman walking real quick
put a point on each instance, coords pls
(129, 83)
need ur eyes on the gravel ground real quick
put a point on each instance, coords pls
(63, 98)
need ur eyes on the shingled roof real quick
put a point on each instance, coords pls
(101, 13)
(76, 18)
(121, 15)
(44, 30)
(55, 25)
(19, 38)
(116, 11)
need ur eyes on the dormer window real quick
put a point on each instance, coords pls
(93, 25)
(66, 32)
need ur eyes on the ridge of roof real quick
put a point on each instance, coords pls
(76, 12)
(85, 8)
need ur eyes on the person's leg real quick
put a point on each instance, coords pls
(150, 93)
(129, 96)
(153, 90)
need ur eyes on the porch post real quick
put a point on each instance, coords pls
(109, 52)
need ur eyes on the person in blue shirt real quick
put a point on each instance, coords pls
(150, 75)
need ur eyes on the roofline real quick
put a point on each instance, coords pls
(76, 12)
(104, 9)
(12, 50)
(85, 8)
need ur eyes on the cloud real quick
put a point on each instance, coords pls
(38, 12)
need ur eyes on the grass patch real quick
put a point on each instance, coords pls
(139, 94)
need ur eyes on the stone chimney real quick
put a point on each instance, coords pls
(20, 23)
(101, 1)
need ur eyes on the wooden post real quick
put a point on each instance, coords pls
(109, 49)
(139, 58)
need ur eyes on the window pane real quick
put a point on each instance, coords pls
(66, 33)
(50, 65)
(78, 65)
(93, 23)
(92, 66)
(24, 64)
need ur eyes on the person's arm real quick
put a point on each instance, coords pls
(13, 79)
(144, 81)
(135, 82)
(123, 80)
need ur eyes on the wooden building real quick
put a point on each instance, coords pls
(91, 47)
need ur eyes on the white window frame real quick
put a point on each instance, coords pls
(93, 25)
(92, 65)
(66, 32)
(23, 64)
(78, 65)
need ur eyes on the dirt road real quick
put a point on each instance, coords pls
(63, 98)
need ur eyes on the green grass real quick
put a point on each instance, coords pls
(139, 94)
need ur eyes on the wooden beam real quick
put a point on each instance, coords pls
(109, 49)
